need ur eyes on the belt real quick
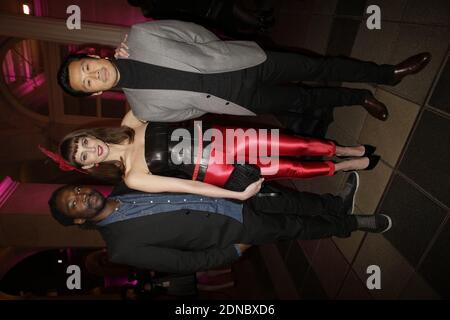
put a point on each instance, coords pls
(201, 164)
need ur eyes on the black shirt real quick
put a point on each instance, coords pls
(235, 86)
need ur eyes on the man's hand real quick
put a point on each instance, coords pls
(122, 49)
(243, 247)
(252, 189)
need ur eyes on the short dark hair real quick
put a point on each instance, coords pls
(63, 75)
(59, 216)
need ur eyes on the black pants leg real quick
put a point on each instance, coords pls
(261, 228)
(283, 67)
(295, 215)
(278, 99)
(271, 96)
(286, 201)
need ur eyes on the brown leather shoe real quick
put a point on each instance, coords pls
(411, 65)
(375, 108)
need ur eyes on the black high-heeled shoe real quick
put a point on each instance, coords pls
(373, 161)
(368, 150)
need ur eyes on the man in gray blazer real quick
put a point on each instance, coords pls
(173, 70)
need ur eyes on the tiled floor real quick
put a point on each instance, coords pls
(390, 136)
(395, 270)
(412, 181)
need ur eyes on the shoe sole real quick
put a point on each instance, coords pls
(354, 193)
(389, 223)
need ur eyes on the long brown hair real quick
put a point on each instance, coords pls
(112, 171)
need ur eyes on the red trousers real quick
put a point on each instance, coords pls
(220, 167)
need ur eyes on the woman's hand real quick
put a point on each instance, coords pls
(252, 189)
(122, 49)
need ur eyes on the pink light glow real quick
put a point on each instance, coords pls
(29, 85)
(72, 48)
(26, 9)
(7, 187)
(26, 53)
(37, 8)
(117, 281)
(8, 68)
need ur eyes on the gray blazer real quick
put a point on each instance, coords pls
(188, 47)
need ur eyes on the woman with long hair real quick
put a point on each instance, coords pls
(148, 157)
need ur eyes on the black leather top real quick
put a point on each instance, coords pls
(165, 157)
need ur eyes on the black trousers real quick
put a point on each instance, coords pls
(293, 215)
(271, 95)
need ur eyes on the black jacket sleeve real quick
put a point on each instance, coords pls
(173, 260)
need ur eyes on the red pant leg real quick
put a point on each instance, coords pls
(258, 144)
(217, 174)
(292, 169)
(289, 145)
